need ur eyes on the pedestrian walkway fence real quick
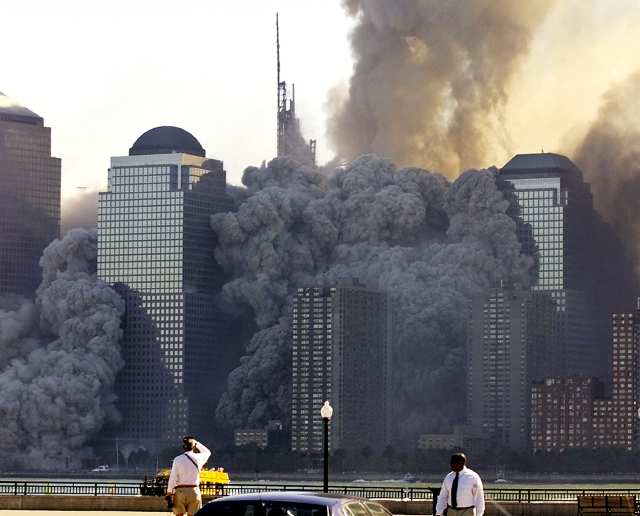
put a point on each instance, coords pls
(106, 488)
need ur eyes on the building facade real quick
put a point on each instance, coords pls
(510, 337)
(442, 441)
(556, 206)
(29, 197)
(562, 413)
(615, 419)
(251, 436)
(341, 345)
(155, 247)
(574, 413)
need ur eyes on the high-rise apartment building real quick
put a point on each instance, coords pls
(557, 208)
(341, 350)
(615, 419)
(511, 335)
(156, 247)
(562, 411)
(29, 197)
(573, 412)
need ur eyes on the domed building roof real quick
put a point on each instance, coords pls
(11, 111)
(166, 140)
(541, 160)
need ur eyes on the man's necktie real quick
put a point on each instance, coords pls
(454, 492)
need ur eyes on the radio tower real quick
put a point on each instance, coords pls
(290, 141)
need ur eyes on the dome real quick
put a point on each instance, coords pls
(11, 111)
(166, 140)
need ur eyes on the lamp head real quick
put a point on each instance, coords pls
(326, 411)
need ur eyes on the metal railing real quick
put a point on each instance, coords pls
(381, 492)
(105, 488)
(35, 487)
(552, 495)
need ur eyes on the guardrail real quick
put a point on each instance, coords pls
(105, 488)
(35, 487)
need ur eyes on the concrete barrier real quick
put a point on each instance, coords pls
(82, 503)
(157, 504)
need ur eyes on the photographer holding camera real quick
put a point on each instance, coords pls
(183, 490)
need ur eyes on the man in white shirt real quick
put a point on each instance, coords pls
(184, 481)
(461, 493)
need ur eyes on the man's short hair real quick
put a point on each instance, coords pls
(458, 458)
(187, 443)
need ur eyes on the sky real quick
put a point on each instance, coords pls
(102, 73)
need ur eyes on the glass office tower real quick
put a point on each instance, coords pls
(29, 197)
(156, 247)
(557, 205)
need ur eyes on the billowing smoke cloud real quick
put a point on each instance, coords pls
(609, 155)
(428, 243)
(431, 79)
(79, 211)
(59, 358)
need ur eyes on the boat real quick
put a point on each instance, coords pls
(212, 482)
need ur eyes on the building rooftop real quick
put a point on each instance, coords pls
(539, 161)
(166, 140)
(11, 111)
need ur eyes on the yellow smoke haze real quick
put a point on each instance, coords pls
(449, 86)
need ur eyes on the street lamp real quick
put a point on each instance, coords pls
(326, 412)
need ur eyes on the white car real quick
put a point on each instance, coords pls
(103, 468)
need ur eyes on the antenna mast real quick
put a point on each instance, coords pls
(278, 87)
(278, 55)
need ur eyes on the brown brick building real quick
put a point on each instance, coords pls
(573, 413)
(562, 412)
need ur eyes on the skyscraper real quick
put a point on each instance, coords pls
(510, 337)
(615, 419)
(156, 247)
(29, 197)
(341, 348)
(557, 207)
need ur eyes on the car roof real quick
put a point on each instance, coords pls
(328, 499)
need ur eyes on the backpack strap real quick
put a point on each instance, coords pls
(192, 462)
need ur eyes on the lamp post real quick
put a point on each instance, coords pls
(326, 412)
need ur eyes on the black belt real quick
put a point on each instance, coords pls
(461, 508)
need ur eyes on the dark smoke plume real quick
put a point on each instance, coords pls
(431, 79)
(609, 155)
(430, 244)
(60, 357)
(79, 211)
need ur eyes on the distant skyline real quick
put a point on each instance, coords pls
(101, 74)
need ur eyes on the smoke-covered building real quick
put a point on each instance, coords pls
(341, 349)
(557, 207)
(511, 335)
(29, 197)
(290, 142)
(155, 246)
